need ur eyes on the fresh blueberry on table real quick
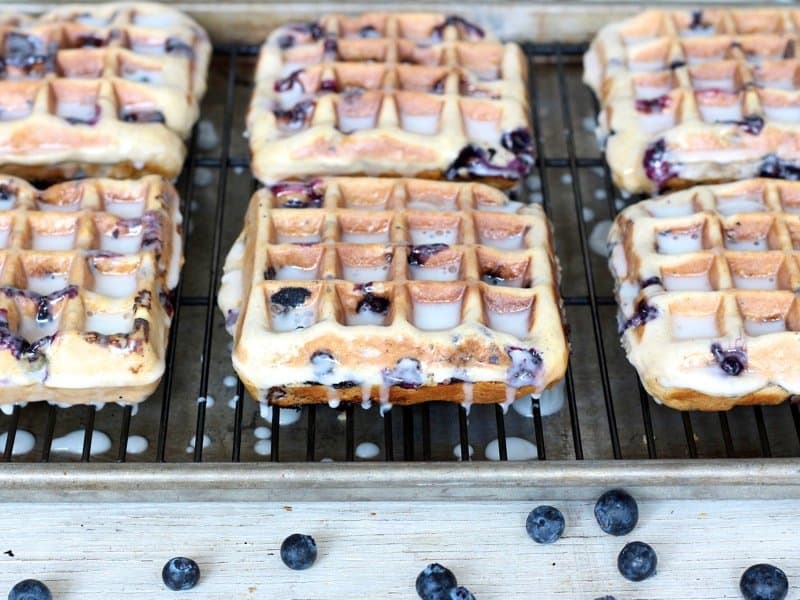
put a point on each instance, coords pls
(637, 561)
(545, 524)
(436, 582)
(30, 589)
(180, 574)
(299, 551)
(764, 582)
(616, 512)
(461, 593)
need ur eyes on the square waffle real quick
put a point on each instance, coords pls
(698, 97)
(393, 290)
(423, 95)
(707, 282)
(85, 273)
(106, 90)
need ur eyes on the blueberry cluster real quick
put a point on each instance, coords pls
(436, 582)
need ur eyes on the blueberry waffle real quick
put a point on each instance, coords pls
(106, 90)
(393, 290)
(85, 273)
(423, 95)
(707, 282)
(694, 97)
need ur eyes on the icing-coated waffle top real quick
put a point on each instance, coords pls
(85, 272)
(392, 284)
(707, 282)
(99, 89)
(698, 96)
(390, 94)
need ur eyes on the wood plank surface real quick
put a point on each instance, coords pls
(375, 550)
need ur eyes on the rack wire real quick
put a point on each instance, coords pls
(607, 413)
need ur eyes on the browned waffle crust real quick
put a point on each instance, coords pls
(707, 282)
(107, 90)
(85, 272)
(421, 95)
(393, 290)
(698, 97)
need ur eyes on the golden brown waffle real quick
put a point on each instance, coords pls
(703, 96)
(706, 282)
(421, 95)
(107, 90)
(85, 272)
(393, 290)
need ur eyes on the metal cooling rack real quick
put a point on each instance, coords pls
(607, 414)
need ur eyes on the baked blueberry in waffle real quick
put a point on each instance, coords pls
(423, 95)
(698, 96)
(86, 269)
(394, 291)
(707, 282)
(108, 90)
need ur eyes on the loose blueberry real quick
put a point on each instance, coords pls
(764, 582)
(180, 574)
(637, 561)
(545, 524)
(436, 582)
(616, 512)
(299, 551)
(461, 593)
(30, 589)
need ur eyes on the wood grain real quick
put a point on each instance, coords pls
(375, 550)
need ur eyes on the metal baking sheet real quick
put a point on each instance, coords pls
(608, 429)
